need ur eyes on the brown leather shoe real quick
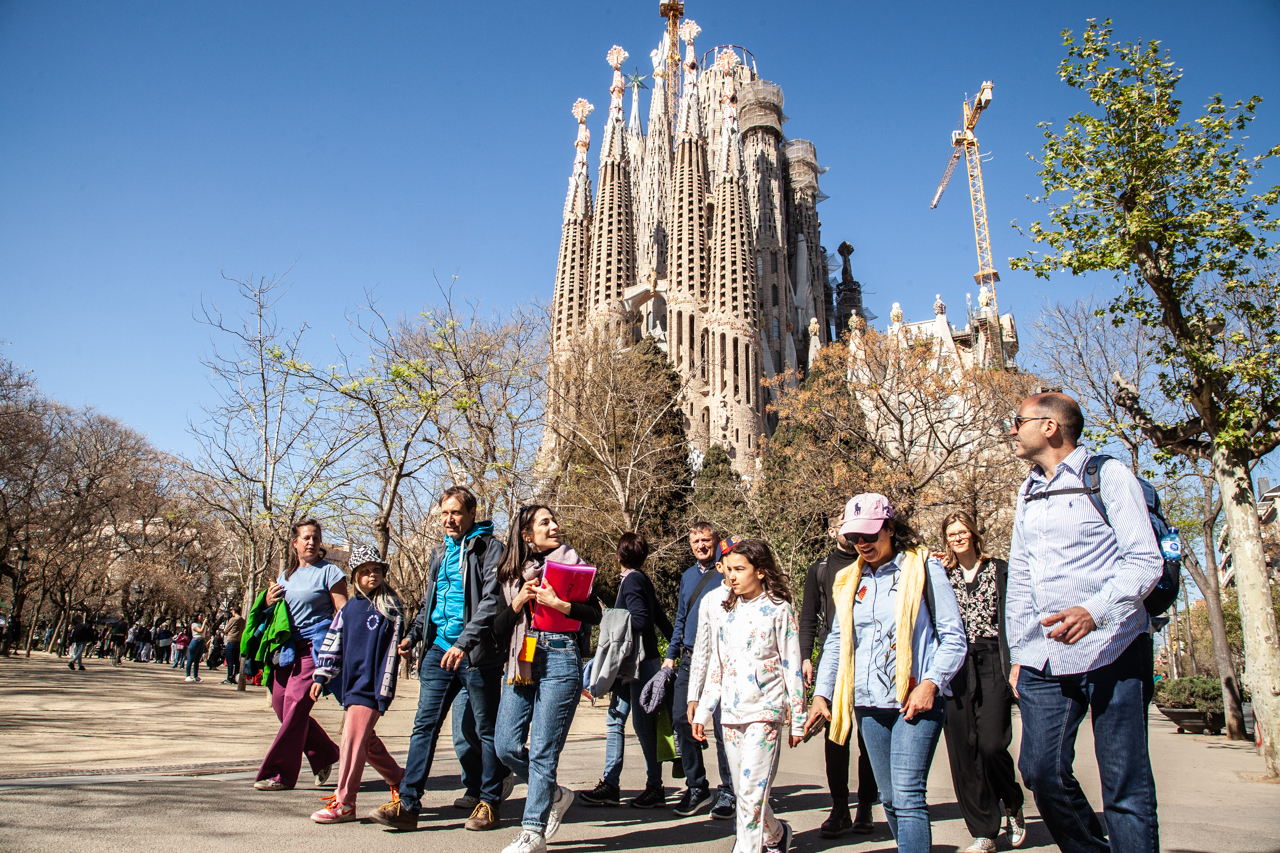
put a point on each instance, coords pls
(394, 815)
(484, 817)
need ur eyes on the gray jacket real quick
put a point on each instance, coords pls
(618, 653)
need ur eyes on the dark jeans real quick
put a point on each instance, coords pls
(195, 652)
(1053, 706)
(695, 767)
(625, 702)
(837, 755)
(233, 662)
(439, 687)
(979, 731)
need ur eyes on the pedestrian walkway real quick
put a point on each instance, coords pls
(135, 759)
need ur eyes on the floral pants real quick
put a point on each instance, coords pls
(753, 750)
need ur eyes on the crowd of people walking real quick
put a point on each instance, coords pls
(898, 644)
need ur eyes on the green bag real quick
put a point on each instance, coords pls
(666, 737)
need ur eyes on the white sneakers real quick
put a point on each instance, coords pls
(560, 805)
(527, 841)
(982, 845)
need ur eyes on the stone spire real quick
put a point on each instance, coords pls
(655, 180)
(635, 135)
(731, 320)
(733, 261)
(570, 298)
(613, 262)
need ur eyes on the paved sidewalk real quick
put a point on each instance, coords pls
(135, 759)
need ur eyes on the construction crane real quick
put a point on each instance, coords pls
(672, 10)
(964, 141)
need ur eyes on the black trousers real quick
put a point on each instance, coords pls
(838, 772)
(979, 730)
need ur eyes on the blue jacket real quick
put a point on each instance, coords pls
(481, 555)
(358, 660)
(685, 631)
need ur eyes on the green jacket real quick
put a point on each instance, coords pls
(266, 631)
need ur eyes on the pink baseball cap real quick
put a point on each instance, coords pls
(865, 514)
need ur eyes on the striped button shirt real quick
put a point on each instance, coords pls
(1063, 554)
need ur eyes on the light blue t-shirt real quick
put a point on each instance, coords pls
(307, 594)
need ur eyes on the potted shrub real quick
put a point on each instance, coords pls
(1194, 704)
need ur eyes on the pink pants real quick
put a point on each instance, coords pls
(298, 733)
(360, 743)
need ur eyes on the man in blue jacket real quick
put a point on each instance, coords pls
(456, 623)
(697, 581)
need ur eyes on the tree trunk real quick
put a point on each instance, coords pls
(1207, 580)
(1175, 648)
(1191, 637)
(1257, 619)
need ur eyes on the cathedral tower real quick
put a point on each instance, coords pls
(569, 302)
(613, 260)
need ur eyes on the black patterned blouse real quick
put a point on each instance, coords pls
(978, 601)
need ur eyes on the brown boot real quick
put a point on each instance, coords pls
(484, 817)
(394, 815)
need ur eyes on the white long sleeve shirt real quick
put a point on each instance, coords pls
(753, 672)
(711, 602)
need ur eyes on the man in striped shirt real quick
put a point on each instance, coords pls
(1078, 632)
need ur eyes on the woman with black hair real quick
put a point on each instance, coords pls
(637, 595)
(543, 675)
(895, 646)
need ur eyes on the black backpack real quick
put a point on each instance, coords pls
(1165, 593)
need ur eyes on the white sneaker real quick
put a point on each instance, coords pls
(982, 845)
(190, 679)
(1017, 827)
(560, 805)
(527, 841)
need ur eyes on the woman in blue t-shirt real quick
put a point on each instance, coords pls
(313, 590)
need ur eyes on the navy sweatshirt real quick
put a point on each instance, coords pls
(359, 659)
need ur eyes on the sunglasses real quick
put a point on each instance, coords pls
(865, 538)
(1019, 420)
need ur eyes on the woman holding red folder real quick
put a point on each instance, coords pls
(544, 672)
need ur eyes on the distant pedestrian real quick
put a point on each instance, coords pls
(163, 639)
(979, 710)
(312, 590)
(196, 647)
(82, 637)
(181, 639)
(119, 636)
(754, 679)
(144, 638)
(359, 661)
(232, 632)
(1077, 629)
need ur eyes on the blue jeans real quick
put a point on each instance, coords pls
(195, 651)
(1052, 709)
(626, 701)
(439, 687)
(540, 713)
(695, 767)
(901, 751)
(466, 744)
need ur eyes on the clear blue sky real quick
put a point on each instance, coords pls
(147, 147)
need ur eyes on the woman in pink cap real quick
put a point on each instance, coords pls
(886, 665)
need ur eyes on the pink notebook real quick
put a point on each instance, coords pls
(571, 583)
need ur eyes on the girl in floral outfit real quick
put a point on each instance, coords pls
(754, 675)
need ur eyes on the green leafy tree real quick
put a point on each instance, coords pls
(1166, 205)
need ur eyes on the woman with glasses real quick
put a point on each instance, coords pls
(978, 726)
(886, 665)
(543, 674)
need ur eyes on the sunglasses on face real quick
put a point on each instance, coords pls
(1019, 420)
(865, 538)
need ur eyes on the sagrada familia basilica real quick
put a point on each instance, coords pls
(704, 233)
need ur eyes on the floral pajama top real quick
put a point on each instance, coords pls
(753, 671)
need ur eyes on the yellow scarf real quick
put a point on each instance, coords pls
(910, 590)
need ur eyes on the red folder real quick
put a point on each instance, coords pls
(572, 584)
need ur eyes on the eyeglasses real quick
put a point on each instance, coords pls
(1019, 420)
(956, 537)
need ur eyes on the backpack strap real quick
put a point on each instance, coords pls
(1091, 477)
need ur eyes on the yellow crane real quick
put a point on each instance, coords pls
(964, 141)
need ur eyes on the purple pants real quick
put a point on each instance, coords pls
(298, 732)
